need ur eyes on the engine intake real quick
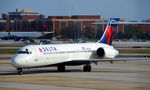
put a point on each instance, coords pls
(106, 52)
(100, 52)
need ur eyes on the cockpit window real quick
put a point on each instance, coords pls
(25, 52)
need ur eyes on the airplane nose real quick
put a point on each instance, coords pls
(17, 62)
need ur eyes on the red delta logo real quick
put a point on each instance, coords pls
(40, 49)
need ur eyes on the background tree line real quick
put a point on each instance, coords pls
(130, 32)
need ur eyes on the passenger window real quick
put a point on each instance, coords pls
(30, 52)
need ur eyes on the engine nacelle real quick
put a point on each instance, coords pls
(106, 52)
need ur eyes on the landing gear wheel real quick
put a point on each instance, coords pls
(61, 68)
(19, 71)
(87, 68)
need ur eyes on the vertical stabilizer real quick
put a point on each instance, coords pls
(109, 32)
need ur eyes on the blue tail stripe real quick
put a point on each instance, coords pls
(103, 40)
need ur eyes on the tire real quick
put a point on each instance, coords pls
(61, 68)
(87, 68)
(20, 72)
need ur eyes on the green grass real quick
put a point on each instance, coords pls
(8, 51)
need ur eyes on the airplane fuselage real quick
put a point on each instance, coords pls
(45, 55)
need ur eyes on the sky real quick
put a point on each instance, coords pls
(131, 10)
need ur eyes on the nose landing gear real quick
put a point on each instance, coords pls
(19, 71)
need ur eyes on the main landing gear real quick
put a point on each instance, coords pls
(61, 68)
(87, 68)
(19, 71)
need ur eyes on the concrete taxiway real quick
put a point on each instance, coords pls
(132, 75)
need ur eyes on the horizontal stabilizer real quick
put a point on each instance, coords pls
(122, 23)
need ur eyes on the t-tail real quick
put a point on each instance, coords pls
(110, 31)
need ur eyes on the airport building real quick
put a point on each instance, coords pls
(24, 20)
(22, 14)
(77, 22)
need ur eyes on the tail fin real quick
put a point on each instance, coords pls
(109, 31)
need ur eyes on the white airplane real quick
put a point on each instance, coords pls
(61, 55)
(23, 34)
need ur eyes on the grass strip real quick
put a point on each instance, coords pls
(8, 51)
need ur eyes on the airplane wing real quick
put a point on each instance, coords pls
(109, 60)
(84, 61)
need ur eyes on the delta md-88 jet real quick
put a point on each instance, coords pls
(61, 55)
